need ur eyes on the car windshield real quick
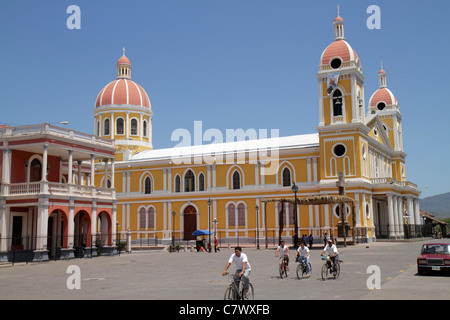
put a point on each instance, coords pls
(435, 248)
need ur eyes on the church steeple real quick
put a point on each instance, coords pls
(123, 67)
(382, 77)
(338, 27)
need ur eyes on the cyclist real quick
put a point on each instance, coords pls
(332, 251)
(243, 268)
(303, 254)
(285, 253)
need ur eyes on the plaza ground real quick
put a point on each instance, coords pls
(160, 275)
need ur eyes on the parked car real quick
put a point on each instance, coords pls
(434, 257)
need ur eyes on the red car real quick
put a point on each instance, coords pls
(434, 257)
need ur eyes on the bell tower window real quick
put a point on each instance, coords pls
(337, 103)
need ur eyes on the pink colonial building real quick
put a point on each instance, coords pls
(50, 206)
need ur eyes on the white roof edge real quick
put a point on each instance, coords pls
(289, 142)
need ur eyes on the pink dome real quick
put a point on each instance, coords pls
(122, 91)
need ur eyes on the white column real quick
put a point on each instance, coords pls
(92, 170)
(71, 224)
(127, 126)
(417, 211)
(112, 125)
(41, 227)
(44, 162)
(396, 222)
(94, 222)
(391, 216)
(409, 204)
(112, 173)
(69, 168)
(105, 178)
(400, 216)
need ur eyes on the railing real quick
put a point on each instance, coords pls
(23, 248)
(387, 180)
(28, 188)
(46, 128)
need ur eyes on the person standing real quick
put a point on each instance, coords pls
(310, 239)
(216, 244)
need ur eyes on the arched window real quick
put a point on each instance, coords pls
(119, 126)
(241, 215)
(286, 177)
(291, 213)
(177, 184)
(134, 127)
(35, 170)
(189, 181)
(147, 185)
(106, 127)
(201, 182)
(337, 103)
(144, 128)
(236, 180)
(142, 218)
(151, 217)
(231, 215)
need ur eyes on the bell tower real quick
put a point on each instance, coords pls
(341, 108)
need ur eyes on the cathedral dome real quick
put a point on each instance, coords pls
(383, 97)
(338, 48)
(123, 90)
(339, 51)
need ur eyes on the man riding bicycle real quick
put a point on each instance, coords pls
(332, 251)
(284, 253)
(242, 268)
(303, 254)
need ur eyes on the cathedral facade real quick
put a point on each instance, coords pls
(243, 191)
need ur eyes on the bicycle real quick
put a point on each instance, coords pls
(301, 268)
(234, 293)
(327, 268)
(283, 267)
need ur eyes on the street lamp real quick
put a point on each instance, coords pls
(257, 229)
(173, 230)
(295, 190)
(209, 223)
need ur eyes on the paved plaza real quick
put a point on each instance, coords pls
(160, 275)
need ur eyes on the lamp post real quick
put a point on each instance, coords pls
(295, 190)
(257, 225)
(209, 223)
(173, 230)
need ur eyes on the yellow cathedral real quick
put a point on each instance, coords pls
(237, 189)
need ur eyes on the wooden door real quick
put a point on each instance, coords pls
(190, 222)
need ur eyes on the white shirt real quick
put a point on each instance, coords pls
(303, 252)
(331, 250)
(283, 250)
(239, 260)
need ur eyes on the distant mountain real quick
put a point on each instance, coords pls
(438, 205)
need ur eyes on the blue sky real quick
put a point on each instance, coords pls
(229, 63)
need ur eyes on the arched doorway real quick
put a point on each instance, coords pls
(55, 233)
(190, 222)
(82, 232)
(103, 230)
(35, 170)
